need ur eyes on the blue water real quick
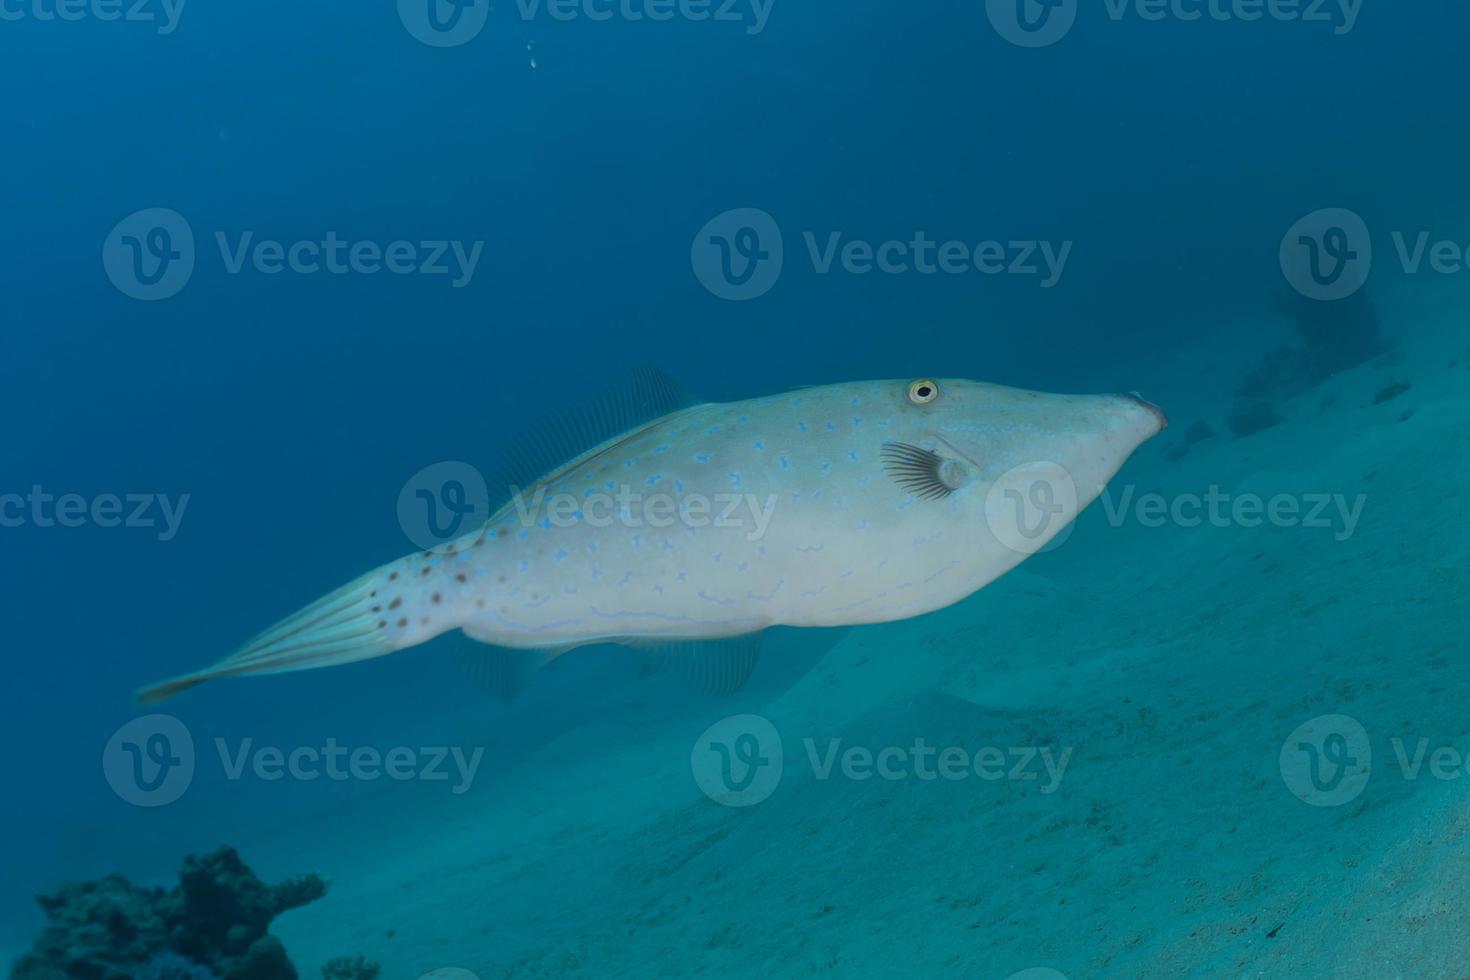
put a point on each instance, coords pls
(290, 409)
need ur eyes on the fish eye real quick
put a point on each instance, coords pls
(923, 392)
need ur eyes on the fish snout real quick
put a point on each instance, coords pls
(1155, 411)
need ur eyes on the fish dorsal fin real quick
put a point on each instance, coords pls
(558, 443)
(717, 667)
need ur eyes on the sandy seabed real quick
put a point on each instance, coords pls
(1172, 664)
(1182, 681)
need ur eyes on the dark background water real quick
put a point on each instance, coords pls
(292, 408)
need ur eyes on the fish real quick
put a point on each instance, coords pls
(690, 528)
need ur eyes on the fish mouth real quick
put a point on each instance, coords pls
(1158, 412)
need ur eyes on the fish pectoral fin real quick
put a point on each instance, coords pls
(718, 667)
(503, 672)
(922, 472)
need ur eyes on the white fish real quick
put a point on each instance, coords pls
(690, 534)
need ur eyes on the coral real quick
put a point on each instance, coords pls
(1250, 418)
(1282, 373)
(214, 923)
(223, 909)
(266, 959)
(171, 966)
(1334, 336)
(1198, 432)
(104, 929)
(343, 968)
(1391, 392)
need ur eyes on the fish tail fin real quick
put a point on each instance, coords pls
(389, 609)
(167, 689)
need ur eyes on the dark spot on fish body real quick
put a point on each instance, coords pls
(402, 623)
(436, 598)
(395, 603)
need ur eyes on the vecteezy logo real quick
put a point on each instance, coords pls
(441, 502)
(444, 23)
(738, 255)
(1327, 761)
(738, 761)
(1029, 508)
(1328, 254)
(1032, 23)
(150, 760)
(149, 255)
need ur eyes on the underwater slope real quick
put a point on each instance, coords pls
(1173, 664)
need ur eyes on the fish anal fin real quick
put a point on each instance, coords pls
(503, 672)
(720, 667)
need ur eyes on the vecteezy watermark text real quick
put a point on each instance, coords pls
(339, 257)
(164, 13)
(1030, 508)
(739, 255)
(753, 14)
(151, 761)
(41, 508)
(739, 761)
(451, 23)
(926, 256)
(926, 763)
(1329, 254)
(446, 500)
(1340, 15)
(1041, 23)
(632, 508)
(331, 761)
(1336, 512)
(1328, 760)
(151, 255)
